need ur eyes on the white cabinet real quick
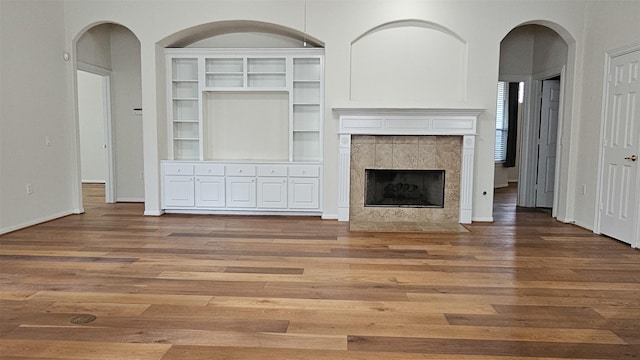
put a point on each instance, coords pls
(209, 191)
(241, 192)
(304, 187)
(272, 192)
(178, 185)
(255, 188)
(272, 186)
(209, 185)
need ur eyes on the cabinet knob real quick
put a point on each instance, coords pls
(273, 171)
(178, 170)
(304, 171)
(240, 171)
(252, 180)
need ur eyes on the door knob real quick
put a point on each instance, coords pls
(633, 157)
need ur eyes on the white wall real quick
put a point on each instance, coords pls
(91, 116)
(34, 106)
(482, 25)
(516, 52)
(549, 50)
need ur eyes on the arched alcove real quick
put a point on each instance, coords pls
(198, 33)
(409, 61)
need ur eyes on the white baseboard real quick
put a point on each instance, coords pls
(329, 217)
(36, 221)
(482, 219)
(153, 213)
(129, 199)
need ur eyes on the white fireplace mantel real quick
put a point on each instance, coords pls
(408, 121)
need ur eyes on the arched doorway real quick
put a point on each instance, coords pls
(533, 59)
(110, 53)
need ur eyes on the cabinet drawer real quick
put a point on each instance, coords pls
(304, 170)
(240, 170)
(178, 169)
(272, 170)
(210, 169)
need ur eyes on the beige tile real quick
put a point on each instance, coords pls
(405, 156)
(427, 156)
(384, 139)
(406, 140)
(363, 139)
(384, 156)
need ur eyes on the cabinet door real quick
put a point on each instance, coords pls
(178, 191)
(210, 191)
(272, 192)
(303, 193)
(241, 192)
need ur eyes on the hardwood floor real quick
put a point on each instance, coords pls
(231, 287)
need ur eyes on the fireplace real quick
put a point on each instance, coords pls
(404, 188)
(406, 139)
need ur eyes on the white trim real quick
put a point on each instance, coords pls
(153, 213)
(549, 73)
(36, 221)
(482, 219)
(329, 216)
(110, 184)
(233, 52)
(133, 199)
(94, 69)
(105, 74)
(559, 142)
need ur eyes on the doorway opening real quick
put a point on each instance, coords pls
(94, 119)
(533, 58)
(108, 113)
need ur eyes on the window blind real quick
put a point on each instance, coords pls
(500, 153)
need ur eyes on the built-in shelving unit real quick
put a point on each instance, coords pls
(185, 105)
(233, 106)
(307, 96)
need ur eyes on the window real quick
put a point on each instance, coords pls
(502, 122)
(505, 142)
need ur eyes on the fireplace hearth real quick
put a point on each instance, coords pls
(404, 188)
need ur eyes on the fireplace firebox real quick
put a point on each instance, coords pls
(404, 188)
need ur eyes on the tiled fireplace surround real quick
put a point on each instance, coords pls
(376, 138)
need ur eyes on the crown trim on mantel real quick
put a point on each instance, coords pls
(407, 121)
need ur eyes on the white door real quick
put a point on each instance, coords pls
(178, 191)
(272, 192)
(210, 191)
(547, 143)
(241, 192)
(619, 192)
(303, 193)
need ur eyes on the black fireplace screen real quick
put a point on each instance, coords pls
(404, 188)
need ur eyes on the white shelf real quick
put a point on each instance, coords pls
(196, 74)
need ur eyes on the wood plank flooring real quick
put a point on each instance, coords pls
(232, 287)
